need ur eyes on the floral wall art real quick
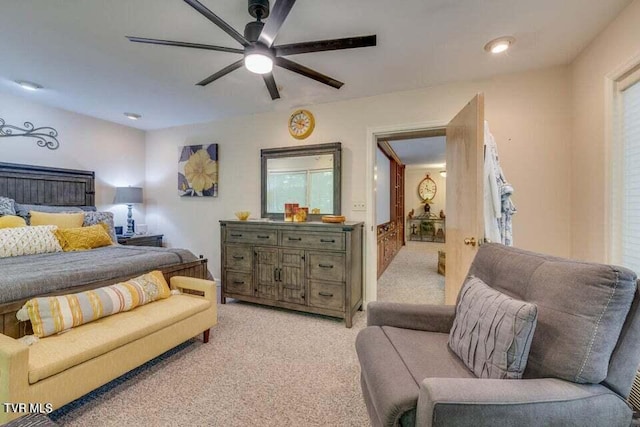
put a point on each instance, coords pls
(198, 171)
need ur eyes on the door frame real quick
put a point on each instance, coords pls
(371, 256)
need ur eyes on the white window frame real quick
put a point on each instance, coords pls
(615, 83)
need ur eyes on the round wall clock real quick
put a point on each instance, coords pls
(301, 124)
(427, 189)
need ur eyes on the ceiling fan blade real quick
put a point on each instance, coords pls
(184, 44)
(226, 70)
(308, 72)
(216, 20)
(271, 85)
(323, 45)
(276, 18)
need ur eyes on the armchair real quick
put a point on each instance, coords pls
(580, 371)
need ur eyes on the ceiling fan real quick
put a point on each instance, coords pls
(259, 52)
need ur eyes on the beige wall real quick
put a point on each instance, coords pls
(529, 115)
(116, 153)
(589, 165)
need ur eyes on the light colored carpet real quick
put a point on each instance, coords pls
(263, 366)
(413, 276)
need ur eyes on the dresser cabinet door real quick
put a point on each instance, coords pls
(266, 273)
(291, 276)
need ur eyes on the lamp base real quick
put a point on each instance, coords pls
(130, 223)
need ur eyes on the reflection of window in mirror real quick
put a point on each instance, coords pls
(306, 180)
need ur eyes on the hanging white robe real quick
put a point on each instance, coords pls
(498, 207)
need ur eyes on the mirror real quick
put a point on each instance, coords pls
(309, 176)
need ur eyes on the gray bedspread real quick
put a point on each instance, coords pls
(31, 275)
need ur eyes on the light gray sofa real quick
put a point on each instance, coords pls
(583, 358)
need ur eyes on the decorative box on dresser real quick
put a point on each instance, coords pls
(311, 266)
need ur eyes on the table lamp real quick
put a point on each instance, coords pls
(128, 196)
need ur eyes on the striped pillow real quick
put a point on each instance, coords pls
(50, 315)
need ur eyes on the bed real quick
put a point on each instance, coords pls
(27, 276)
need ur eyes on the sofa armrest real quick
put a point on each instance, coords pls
(422, 317)
(14, 374)
(546, 401)
(191, 285)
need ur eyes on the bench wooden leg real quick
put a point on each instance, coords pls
(205, 336)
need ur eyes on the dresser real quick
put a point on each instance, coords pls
(311, 267)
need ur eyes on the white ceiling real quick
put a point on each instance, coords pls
(78, 51)
(423, 152)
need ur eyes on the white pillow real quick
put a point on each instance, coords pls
(39, 239)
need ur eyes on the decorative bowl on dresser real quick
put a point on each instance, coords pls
(311, 267)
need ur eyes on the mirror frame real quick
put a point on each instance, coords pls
(334, 148)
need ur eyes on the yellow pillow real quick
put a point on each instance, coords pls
(50, 315)
(12, 221)
(62, 220)
(83, 238)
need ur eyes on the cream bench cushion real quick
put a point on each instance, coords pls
(57, 353)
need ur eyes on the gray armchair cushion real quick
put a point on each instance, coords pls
(393, 363)
(581, 308)
(540, 402)
(492, 332)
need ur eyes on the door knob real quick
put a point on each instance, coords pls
(470, 241)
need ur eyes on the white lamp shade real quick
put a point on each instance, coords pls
(128, 195)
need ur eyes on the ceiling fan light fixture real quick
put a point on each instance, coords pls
(258, 63)
(499, 45)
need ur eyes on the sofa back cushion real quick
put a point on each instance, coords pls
(50, 315)
(492, 332)
(581, 308)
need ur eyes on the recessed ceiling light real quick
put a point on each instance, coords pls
(500, 44)
(28, 85)
(132, 116)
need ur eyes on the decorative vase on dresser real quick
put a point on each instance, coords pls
(311, 267)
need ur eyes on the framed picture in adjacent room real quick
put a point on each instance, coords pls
(198, 171)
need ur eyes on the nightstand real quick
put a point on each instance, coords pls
(141, 240)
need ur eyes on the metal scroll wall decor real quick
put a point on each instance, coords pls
(46, 137)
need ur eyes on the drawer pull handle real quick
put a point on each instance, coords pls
(262, 237)
(325, 294)
(325, 265)
(327, 241)
(236, 235)
(295, 238)
(238, 257)
(238, 282)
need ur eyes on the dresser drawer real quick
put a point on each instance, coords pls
(238, 283)
(262, 237)
(311, 240)
(238, 257)
(326, 266)
(326, 295)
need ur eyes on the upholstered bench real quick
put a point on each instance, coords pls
(60, 368)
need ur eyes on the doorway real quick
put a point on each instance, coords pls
(464, 210)
(410, 216)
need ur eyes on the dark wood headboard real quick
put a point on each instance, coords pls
(39, 185)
